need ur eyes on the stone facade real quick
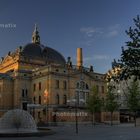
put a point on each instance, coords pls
(38, 79)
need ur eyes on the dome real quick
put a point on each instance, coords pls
(49, 55)
(32, 50)
(37, 50)
(17, 120)
(53, 56)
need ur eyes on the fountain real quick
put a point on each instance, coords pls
(18, 122)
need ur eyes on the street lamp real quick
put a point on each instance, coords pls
(70, 102)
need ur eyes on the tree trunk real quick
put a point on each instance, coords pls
(111, 117)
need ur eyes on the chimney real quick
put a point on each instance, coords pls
(79, 58)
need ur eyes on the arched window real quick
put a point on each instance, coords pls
(77, 86)
(34, 99)
(82, 91)
(39, 100)
(39, 85)
(65, 84)
(87, 86)
(57, 99)
(64, 99)
(26, 92)
(22, 92)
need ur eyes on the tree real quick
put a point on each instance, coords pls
(133, 100)
(94, 103)
(129, 65)
(130, 57)
(111, 103)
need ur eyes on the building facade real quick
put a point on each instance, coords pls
(37, 78)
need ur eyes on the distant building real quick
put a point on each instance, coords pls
(121, 91)
(37, 78)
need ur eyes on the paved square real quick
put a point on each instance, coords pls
(87, 132)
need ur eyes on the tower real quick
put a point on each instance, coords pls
(79, 58)
(35, 36)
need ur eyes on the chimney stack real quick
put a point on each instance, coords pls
(79, 58)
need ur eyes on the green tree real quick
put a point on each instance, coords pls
(130, 57)
(94, 103)
(129, 65)
(133, 98)
(111, 103)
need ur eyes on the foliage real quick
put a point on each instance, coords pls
(130, 57)
(94, 103)
(111, 103)
(133, 100)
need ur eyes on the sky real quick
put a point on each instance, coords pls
(97, 26)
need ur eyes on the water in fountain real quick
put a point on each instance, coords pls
(17, 121)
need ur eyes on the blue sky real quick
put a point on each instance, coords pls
(98, 26)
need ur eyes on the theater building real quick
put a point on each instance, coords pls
(39, 79)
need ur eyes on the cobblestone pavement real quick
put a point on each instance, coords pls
(87, 132)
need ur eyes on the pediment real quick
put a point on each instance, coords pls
(7, 58)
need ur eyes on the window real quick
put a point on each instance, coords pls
(39, 85)
(57, 84)
(34, 87)
(34, 99)
(64, 84)
(26, 92)
(24, 106)
(102, 89)
(64, 99)
(39, 100)
(78, 85)
(22, 92)
(87, 86)
(57, 99)
(82, 85)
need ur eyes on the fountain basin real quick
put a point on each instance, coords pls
(19, 123)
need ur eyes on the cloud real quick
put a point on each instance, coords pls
(97, 34)
(97, 57)
(91, 31)
(112, 33)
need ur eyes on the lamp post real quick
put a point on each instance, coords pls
(70, 102)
